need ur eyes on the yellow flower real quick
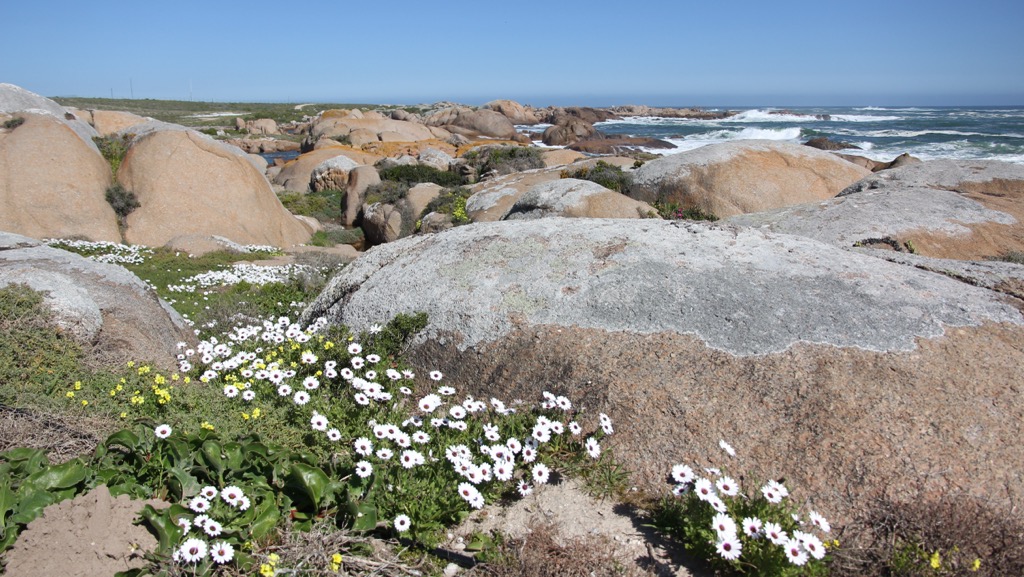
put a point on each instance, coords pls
(124, 415)
(256, 413)
(174, 377)
(936, 560)
(188, 380)
(131, 364)
(159, 379)
(113, 393)
(85, 403)
(336, 562)
(206, 426)
(70, 394)
(119, 388)
(273, 558)
(328, 346)
(266, 570)
(976, 565)
(245, 416)
(144, 369)
(78, 385)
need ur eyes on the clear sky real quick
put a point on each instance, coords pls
(670, 53)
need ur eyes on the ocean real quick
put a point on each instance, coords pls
(881, 133)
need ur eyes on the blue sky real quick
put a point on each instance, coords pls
(713, 52)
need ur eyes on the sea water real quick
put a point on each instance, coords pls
(881, 133)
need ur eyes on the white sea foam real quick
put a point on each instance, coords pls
(763, 115)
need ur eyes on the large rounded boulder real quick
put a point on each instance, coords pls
(574, 198)
(188, 183)
(113, 314)
(850, 376)
(744, 176)
(52, 183)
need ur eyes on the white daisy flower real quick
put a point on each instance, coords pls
(230, 391)
(333, 435)
(310, 383)
(457, 412)
(503, 471)
(373, 359)
(408, 374)
(374, 329)
(606, 424)
(209, 492)
(308, 358)
(563, 403)
(384, 454)
(704, 489)
(192, 550)
(357, 362)
(727, 486)
(393, 374)
(428, 403)
(402, 523)
(682, 474)
(436, 375)
(575, 428)
(752, 527)
(361, 399)
(593, 448)
(813, 546)
(717, 504)
(199, 504)
(213, 528)
(355, 348)
(363, 446)
(524, 488)
(410, 458)
(231, 495)
(729, 547)
(222, 552)
(420, 437)
(364, 469)
(513, 445)
(541, 473)
(723, 525)
(405, 391)
(775, 533)
(284, 390)
(820, 522)
(529, 454)
(301, 397)
(795, 553)
(200, 521)
(347, 374)
(162, 432)
(446, 390)
(318, 422)
(370, 375)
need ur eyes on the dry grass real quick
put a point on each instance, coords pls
(899, 538)
(542, 553)
(63, 437)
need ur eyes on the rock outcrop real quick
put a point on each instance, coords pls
(849, 376)
(113, 314)
(569, 131)
(968, 210)
(52, 183)
(744, 176)
(469, 122)
(569, 197)
(515, 112)
(188, 183)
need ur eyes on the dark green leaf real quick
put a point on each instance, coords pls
(363, 516)
(60, 476)
(168, 533)
(311, 481)
(266, 519)
(124, 438)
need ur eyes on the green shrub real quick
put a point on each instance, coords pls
(504, 159)
(114, 148)
(451, 201)
(388, 192)
(335, 236)
(607, 175)
(673, 211)
(123, 201)
(14, 123)
(323, 205)
(1014, 256)
(412, 174)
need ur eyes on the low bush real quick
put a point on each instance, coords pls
(387, 192)
(451, 201)
(335, 236)
(412, 174)
(323, 205)
(14, 122)
(123, 201)
(114, 148)
(504, 159)
(607, 175)
(673, 211)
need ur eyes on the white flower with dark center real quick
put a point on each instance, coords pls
(606, 424)
(541, 433)
(284, 390)
(723, 525)
(363, 446)
(529, 454)
(222, 552)
(408, 374)
(813, 546)
(318, 422)
(795, 552)
(199, 504)
(301, 397)
(575, 428)
(364, 469)
(420, 437)
(402, 440)
(491, 432)
(457, 412)
(311, 383)
(752, 527)
(446, 391)
(503, 471)
(230, 391)
(428, 403)
(333, 435)
(436, 375)
(717, 504)
(357, 362)
(681, 489)
(405, 391)
(820, 522)
(411, 458)
(524, 488)
(213, 528)
(355, 348)
(593, 448)
(458, 425)
(200, 521)
(402, 523)
(232, 495)
(308, 358)
(361, 399)
(727, 486)
(347, 374)
(209, 492)
(370, 375)
(192, 550)
(373, 359)
(563, 403)
(468, 492)
(682, 474)
(541, 473)
(729, 547)
(556, 428)
(704, 489)
(184, 523)
(775, 533)
(384, 454)
(514, 445)
(162, 432)
(393, 374)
